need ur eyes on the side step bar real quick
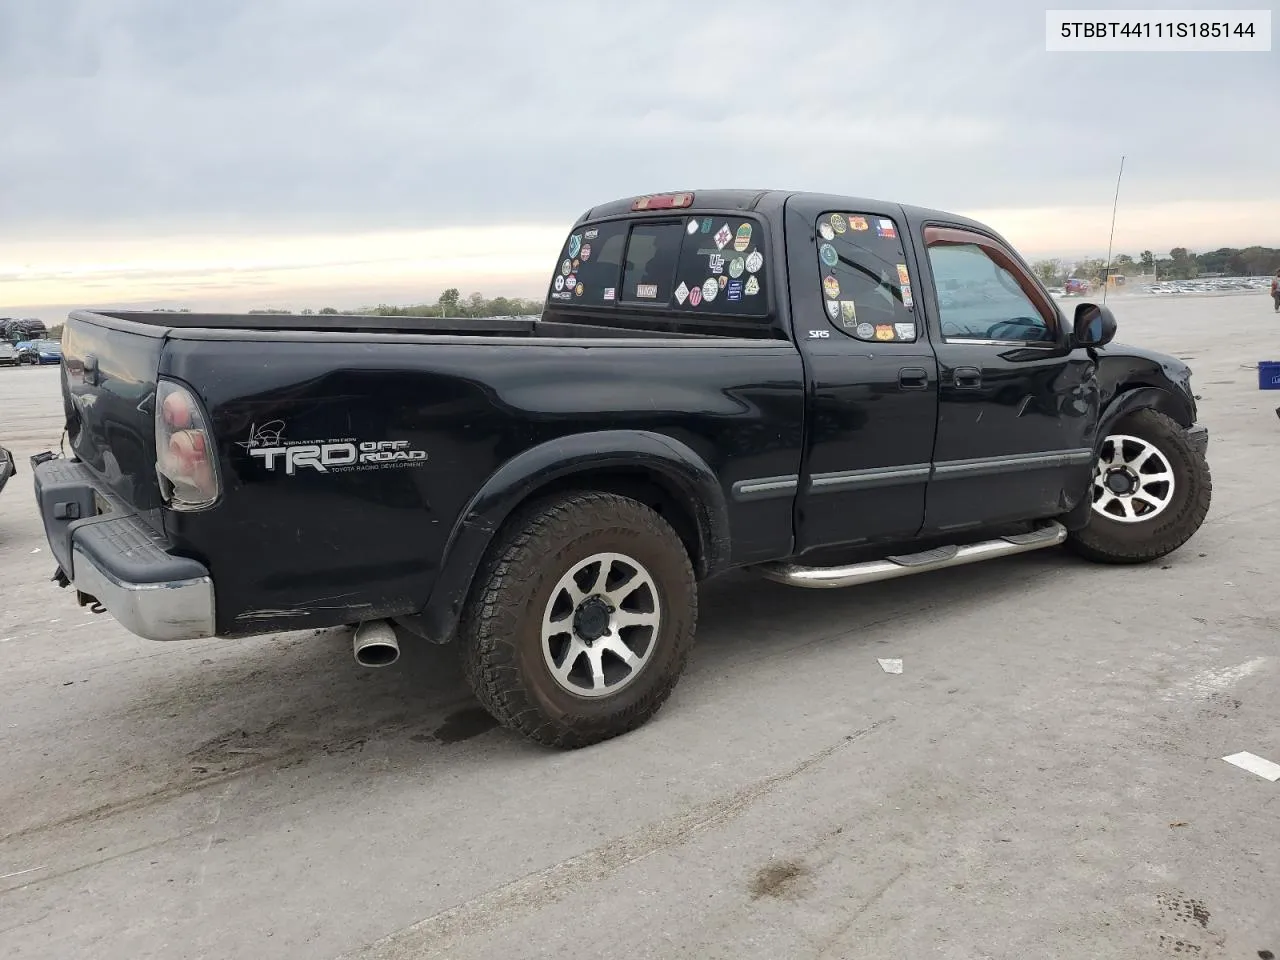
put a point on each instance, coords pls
(821, 578)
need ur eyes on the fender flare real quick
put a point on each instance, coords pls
(1126, 401)
(1123, 403)
(519, 479)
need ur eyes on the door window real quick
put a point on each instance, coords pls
(981, 295)
(866, 285)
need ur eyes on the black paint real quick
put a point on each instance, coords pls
(760, 442)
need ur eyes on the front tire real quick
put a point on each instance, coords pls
(1151, 492)
(580, 621)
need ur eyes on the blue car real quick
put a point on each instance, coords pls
(39, 351)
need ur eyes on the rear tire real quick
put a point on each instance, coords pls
(567, 652)
(1170, 492)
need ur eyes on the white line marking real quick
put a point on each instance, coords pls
(1212, 681)
(21, 872)
(892, 665)
(1254, 764)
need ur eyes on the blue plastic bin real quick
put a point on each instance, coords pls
(1269, 374)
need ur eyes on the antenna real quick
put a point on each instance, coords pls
(1106, 280)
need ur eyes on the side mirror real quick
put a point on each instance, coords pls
(1095, 325)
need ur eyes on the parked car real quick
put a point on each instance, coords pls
(724, 380)
(8, 354)
(39, 351)
(7, 467)
(27, 329)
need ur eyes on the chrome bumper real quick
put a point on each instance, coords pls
(118, 560)
(162, 610)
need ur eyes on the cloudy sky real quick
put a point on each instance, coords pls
(236, 153)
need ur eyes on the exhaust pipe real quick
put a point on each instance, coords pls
(375, 644)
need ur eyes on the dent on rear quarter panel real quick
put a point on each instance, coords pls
(327, 547)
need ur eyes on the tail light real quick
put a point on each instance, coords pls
(185, 457)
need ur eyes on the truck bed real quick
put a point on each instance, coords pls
(515, 326)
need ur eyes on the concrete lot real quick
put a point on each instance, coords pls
(1043, 780)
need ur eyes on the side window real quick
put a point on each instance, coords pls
(981, 298)
(590, 264)
(722, 267)
(866, 285)
(652, 255)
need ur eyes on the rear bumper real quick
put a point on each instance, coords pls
(1198, 436)
(111, 554)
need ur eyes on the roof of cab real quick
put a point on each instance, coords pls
(749, 200)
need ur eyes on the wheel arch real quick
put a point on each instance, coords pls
(1130, 399)
(659, 471)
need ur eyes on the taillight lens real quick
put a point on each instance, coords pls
(185, 457)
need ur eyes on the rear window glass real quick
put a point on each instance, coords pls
(698, 264)
(866, 284)
(722, 266)
(590, 264)
(651, 262)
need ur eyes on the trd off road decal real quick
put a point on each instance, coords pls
(266, 444)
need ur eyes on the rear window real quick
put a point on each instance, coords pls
(652, 255)
(589, 265)
(866, 283)
(698, 264)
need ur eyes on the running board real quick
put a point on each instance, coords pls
(820, 578)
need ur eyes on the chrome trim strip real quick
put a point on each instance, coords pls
(766, 488)
(842, 480)
(984, 466)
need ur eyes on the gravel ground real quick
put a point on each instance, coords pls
(1042, 780)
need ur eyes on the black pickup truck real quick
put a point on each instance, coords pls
(827, 390)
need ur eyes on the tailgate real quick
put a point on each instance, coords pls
(108, 389)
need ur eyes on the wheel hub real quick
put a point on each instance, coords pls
(601, 624)
(1134, 481)
(591, 619)
(1122, 481)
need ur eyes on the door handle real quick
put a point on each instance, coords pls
(91, 370)
(913, 378)
(968, 378)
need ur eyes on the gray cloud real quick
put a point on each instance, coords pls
(322, 114)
